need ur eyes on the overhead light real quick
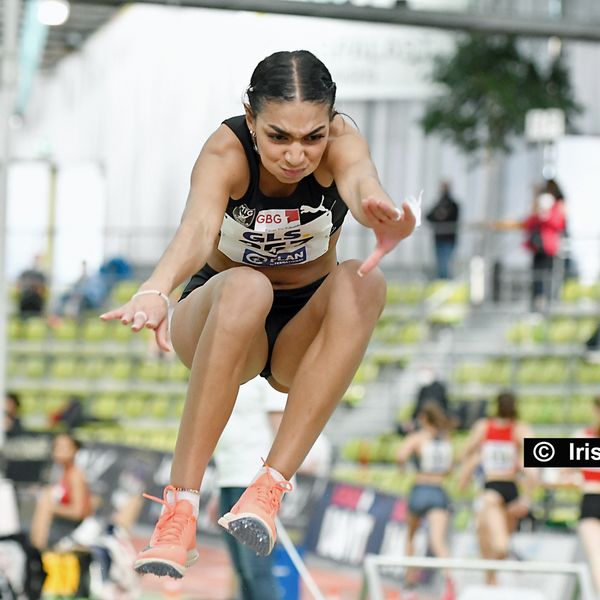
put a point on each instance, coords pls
(53, 12)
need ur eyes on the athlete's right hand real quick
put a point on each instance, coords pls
(148, 311)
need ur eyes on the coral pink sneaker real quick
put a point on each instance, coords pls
(252, 520)
(172, 547)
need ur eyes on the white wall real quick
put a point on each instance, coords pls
(147, 90)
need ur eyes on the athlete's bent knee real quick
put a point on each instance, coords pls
(245, 288)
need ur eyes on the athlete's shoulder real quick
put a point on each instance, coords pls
(222, 160)
(343, 134)
(225, 148)
(224, 143)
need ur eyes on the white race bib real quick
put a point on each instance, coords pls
(499, 457)
(436, 457)
(290, 244)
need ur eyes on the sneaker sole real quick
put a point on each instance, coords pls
(250, 530)
(163, 567)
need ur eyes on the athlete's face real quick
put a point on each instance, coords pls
(291, 138)
(64, 450)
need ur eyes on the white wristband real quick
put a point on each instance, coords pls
(156, 293)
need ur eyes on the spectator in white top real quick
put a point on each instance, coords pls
(248, 434)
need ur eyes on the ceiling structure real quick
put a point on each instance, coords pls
(568, 19)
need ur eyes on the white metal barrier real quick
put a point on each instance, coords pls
(373, 585)
(297, 561)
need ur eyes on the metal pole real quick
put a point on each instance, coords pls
(531, 26)
(297, 561)
(8, 86)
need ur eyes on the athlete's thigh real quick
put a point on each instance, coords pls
(589, 531)
(296, 336)
(189, 319)
(351, 295)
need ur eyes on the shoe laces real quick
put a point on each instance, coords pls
(270, 495)
(171, 523)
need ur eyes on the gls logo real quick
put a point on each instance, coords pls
(270, 220)
(251, 257)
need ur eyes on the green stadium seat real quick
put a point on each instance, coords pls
(404, 293)
(562, 331)
(496, 372)
(175, 370)
(30, 404)
(178, 405)
(354, 395)
(585, 329)
(94, 330)
(34, 366)
(123, 291)
(152, 370)
(520, 333)
(366, 372)
(159, 407)
(15, 329)
(66, 329)
(93, 367)
(35, 329)
(122, 367)
(449, 315)
(67, 367)
(571, 291)
(388, 358)
(13, 365)
(135, 405)
(469, 372)
(107, 406)
(543, 371)
(587, 373)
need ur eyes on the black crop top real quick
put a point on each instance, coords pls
(264, 231)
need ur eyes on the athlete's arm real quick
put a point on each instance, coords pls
(217, 174)
(408, 447)
(467, 468)
(474, 439)
(355, 175)
(349, 161)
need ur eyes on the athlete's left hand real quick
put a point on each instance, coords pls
(390, 224)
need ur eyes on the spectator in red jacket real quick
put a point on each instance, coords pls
(544, 227)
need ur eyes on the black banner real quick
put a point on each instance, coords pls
(583, 453)
(27, 457)
(352, 521)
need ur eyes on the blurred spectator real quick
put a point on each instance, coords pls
(431, 389)
(32, 290)
(64, 504)
(551, 187)
(248, 434)
(544, 227)
(73, 303)
(444, 220)
(71, 415)
(90, 292)
(12, 415)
